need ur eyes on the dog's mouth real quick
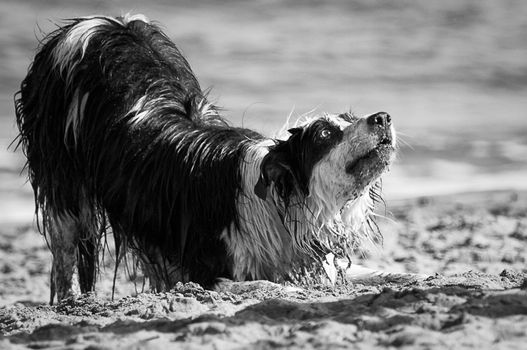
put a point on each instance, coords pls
(380, 156)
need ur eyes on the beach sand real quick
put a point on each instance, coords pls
(471, 245)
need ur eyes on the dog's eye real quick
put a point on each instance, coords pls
(325, 134)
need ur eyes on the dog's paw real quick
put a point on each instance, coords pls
(227, 285)
(359, 274)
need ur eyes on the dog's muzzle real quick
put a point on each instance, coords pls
(380, 124)
(381, 143)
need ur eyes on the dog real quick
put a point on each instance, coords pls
(120, 138)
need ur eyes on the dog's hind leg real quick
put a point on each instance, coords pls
(86, 260)
(88, 251)
(63, 237)
(74, 242)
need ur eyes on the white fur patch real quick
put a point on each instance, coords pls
(77, 39)
(335, 119)
(143, 108)
(139, 111)
(206, 109)
(75, 114)
(127, 18)
(261, 237)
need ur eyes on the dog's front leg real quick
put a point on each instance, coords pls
(363, 275)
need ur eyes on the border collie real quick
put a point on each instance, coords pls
(119, 137)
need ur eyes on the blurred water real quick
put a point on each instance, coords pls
(453, 74)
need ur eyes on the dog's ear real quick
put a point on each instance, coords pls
(294, 131)
(275, 168)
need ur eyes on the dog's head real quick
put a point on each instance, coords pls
(333, 157)
(326, 176)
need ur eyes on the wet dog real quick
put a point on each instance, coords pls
(120, 138)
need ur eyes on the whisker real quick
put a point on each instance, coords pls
(399, 132)
(406, 143)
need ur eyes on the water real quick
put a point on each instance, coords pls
(453, 75)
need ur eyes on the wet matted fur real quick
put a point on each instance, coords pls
(120, 138)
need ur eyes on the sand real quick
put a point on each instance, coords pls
(472, 246)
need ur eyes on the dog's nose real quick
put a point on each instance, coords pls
(381, 119)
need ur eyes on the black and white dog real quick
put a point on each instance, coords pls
(120, 138)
